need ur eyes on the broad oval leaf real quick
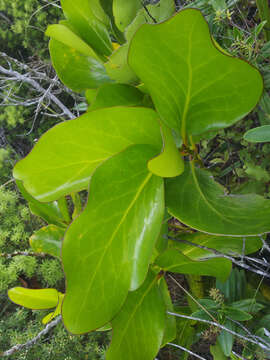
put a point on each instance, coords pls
(258, 135)
(36, 299)
(48, 240)
(107, 249)
(109, 95)
(173, 260)
(76, 70)
(195, 87)
(66, 156)
(138, 329)
(196, 200)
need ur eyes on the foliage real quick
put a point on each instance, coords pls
(139, 168)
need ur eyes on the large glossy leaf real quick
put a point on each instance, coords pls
(66, 156)
(48, 240)
(50, 212)
(224, 244)
(198, 201)
(107, 249)
(117, 95)
(91, 30)
(173, 260)
(37, 299)
(76, 70)
(139, 327)
(195, 86)
(258, 135)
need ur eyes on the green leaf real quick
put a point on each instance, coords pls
(50, 212)
(196, 200)
(56, 312)
(170, 324)
(66, 156)
(90, 29)
(124, 12)
(258, 135)
(109, 95)
(174, 261)
(139, 327)
(226, 339)
(111, 242)
(76, 70)
(224, 244)
(194, 86)
(237, 314)
(64, 35)
(48, 240)
(33, 298)
(169, 163)
(217, 353)
(249, 305)
(117, 66)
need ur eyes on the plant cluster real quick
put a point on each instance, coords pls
(140, 150)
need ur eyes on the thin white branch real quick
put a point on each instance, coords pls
(33, 341)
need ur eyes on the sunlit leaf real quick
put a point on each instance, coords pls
(194, 86)
(66, 156)
(34, 298)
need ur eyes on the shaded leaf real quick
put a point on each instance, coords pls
(112, 241)
(66, 156)
(194, 86)
(174, 261)
(237, 314)
(170, 323)
(258, 135)
(117, 95)
(139, 327)
(196, 200)
(124, 12)
(50, 212)
(226, 339)
(48, 240)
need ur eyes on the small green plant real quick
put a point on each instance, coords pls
(151, 102)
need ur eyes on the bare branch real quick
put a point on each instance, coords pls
(22, 253)
(33, 341)
(186, 350)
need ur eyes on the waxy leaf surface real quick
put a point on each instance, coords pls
(196, 200)
(48, 240)
(195, 87)
(66, 156)
(138, 329)
(173, 260)
(258, 135)
(76, 70)
(37, 299)
(107, 249)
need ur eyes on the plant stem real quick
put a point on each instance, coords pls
(77, 204)
(264, 12)
(195, 283)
